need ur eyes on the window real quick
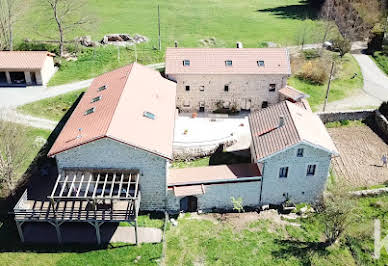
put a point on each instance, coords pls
(90, 111)
(228, 63)
(186, 104)
(202, 88)
(95, 99)
(283, 172)
(264, 104)
(311, 169)
(260, 63)
(226, 88)
(272, 87)
(102, 88)
(187, 88)
(149, 115)
(300, 153)
(186, 62)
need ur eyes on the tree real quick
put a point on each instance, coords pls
(8, 15)
(13, 153)
(342, 46)
(67, 15)
(338, 212)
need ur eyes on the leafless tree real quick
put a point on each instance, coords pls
(67, 15)
(8, 15)
(338, 212)
(13, 153)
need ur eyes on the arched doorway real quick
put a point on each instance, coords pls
(189, 204)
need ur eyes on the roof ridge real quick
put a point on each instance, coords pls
(118, 100)
(293, 121)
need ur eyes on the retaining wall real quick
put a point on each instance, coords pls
(345, 115)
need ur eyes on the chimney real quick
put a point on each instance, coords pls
(239, 45)
(176, 44)
(281, 121)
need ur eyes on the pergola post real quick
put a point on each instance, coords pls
(98, 234)
(136, 233)
(58, 230)
(20, 230)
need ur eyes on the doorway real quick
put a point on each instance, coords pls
(246, 104)
(3, 77)
(202, 107)
(189, 204)
(33, 78)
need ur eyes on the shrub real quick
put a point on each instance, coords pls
(342, 46)
(382, 60)
(237, 204)
(311, 53)
(384, 109)
(313, 72)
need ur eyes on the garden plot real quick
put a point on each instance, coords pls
(360, 151)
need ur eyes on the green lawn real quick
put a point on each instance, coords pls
(195, 163)
(251, 22)
(381, 61)
(341, 87)
(51, 108)
(266, 242)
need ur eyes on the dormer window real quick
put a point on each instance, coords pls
(96, 99)
(149, 115)
(90, 111)
(228, 63)
(260, 63)
(102, 88)
(186, 62)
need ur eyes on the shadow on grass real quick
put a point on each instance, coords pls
(307, 9)
(299, 249)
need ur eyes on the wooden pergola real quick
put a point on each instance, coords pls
(94, 196)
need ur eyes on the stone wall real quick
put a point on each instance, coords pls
(346, 115)
(381, 122)
(245, 91)
(297, 185)
(218, 196)
(107, 153)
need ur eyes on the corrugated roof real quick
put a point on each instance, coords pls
(184, 191)
(208, 174)
(300, 125)
(293, 94)
(10, 60)
(130, 92)
(212, 61)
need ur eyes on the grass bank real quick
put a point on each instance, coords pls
(344, 84)
(53, 108)
(191, 24)
(218, 240)
(381, 61)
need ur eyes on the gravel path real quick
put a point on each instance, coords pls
(375, 88)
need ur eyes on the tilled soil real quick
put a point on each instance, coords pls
(360, 151)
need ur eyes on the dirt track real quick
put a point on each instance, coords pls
(360, 151)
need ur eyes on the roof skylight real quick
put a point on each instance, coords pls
(90, 111)
(260, 63)
(102, 88)
(228, 63)
(186, 62)
(149, 115)
(96, 99)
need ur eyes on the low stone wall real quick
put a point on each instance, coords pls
(381, 122)
(345, 115)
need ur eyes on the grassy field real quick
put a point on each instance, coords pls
(280, 21)
(215, 240)
(51, 108)
(342, 86)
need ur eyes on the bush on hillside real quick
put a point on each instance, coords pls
(313, 72)
(342, 46)
(382, 61)
(311, 54)
(384, 109)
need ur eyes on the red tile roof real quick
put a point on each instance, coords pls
(212, 61)
(120, 113)
(300, 125)
(15, 60)
(293, 94)
(184, 191)
(212, 174)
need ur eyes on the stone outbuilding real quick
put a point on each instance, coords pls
(210, 79)
(25, 68)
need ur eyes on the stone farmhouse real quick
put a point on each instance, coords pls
(113, 158)
(209, 79)
(21, 68)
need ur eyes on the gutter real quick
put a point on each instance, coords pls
(242, 179)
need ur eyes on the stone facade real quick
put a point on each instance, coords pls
(218, 196)
(297, 186)
(110, 154)
(244, 91)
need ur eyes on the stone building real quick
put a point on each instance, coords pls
(26, 68)
(125, 121)
(227, 78)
